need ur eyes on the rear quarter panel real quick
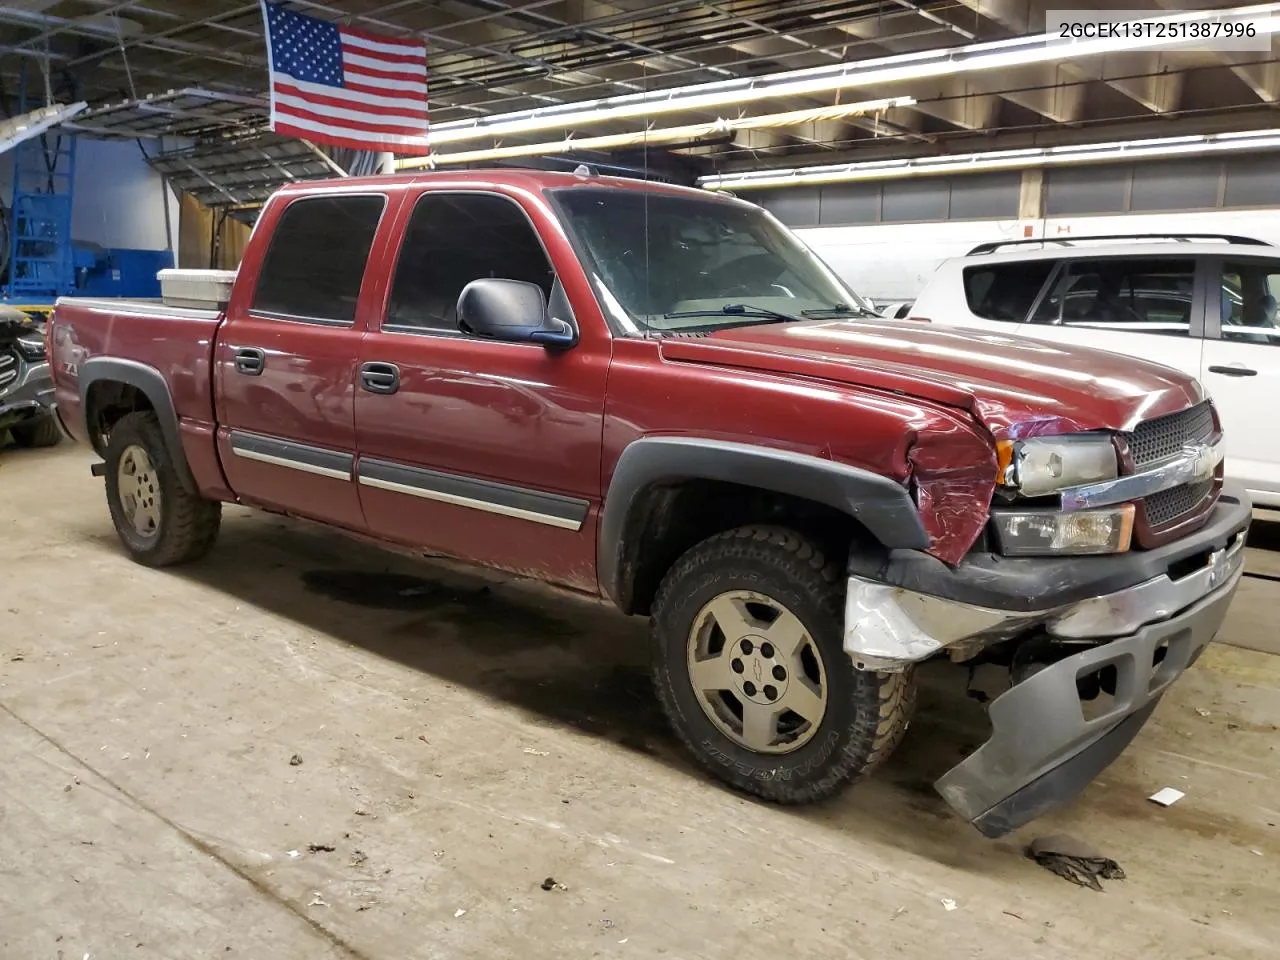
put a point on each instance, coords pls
(177, 343)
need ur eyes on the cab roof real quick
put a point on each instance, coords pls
(534, 180)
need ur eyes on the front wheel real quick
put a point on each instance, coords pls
(751, 671)
(158, 520)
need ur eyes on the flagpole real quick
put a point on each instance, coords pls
(271, 66)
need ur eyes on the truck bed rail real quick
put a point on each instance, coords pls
(149, 308)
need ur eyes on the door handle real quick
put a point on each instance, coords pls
(378, 377)
(1234, 371)
(251, 361)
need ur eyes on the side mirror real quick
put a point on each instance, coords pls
(511, 310)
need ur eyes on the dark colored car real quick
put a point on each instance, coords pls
(26, 388)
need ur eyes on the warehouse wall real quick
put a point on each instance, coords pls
(197, 224)
(886, 239)
(119, 199)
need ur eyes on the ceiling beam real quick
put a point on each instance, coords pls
(1047, 89)
(1159, 95)
(1149, 80)
(1013, 15)
(820, 133)
(957, 102)
(967, 109)
(1263, 78)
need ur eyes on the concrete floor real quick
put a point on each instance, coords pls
(462, 738)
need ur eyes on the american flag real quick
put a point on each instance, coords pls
(345, 87)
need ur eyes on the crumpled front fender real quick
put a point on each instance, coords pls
(953, 472)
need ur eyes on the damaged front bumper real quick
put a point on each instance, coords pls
(1142, 617)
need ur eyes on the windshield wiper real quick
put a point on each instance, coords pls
(762, 314)
(842, 310)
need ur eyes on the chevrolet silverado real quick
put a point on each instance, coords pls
(662, 397)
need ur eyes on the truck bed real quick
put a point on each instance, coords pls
(176, 342)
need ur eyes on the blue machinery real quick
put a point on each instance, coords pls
(41, 263)
(44, 262)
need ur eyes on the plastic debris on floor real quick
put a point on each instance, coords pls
(1074, 860)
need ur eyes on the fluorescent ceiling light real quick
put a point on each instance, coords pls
(1016, 52)
(679, 134)
(994, 160)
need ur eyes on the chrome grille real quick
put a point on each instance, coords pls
(1169, 505)
(1164, 437)
(8, 368)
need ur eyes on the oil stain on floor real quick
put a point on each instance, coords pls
(592, 679)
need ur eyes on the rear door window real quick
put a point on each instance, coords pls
(1005, 291)
(1250, 290)
(1140, 296)
(316, 258)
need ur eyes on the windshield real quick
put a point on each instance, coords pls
(679, 263)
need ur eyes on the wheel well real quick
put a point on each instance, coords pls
(105, 403)
(668, 519)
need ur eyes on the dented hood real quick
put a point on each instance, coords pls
(1016, 387)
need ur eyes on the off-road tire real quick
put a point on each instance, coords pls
(42, 431)
(188, 524)
(867, 713)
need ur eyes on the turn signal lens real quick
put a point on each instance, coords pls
(1029, 533)
(1004, 460)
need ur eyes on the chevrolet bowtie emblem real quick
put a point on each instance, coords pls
(1202, 458)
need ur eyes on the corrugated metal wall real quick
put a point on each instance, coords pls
(1197, 184)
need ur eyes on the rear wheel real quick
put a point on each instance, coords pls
(39, 431)
(751, 670)
(158, 520)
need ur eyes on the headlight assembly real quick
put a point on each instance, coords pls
(31, 347)
(1045, 465)
(1048, 532)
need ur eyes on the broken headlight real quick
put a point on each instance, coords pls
(1045, 465)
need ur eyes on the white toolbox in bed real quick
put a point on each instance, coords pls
(208, 289)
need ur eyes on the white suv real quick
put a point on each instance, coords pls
(1205, 305)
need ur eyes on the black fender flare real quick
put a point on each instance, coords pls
(153, 386)
(884, 507)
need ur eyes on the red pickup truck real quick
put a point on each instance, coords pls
(660, 396)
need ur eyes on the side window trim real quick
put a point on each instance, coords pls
(1050, 284)
(418, 331)
(1202, 285)
(282, 317)
(294, 318)
(1195, 309)
(1215, 276)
